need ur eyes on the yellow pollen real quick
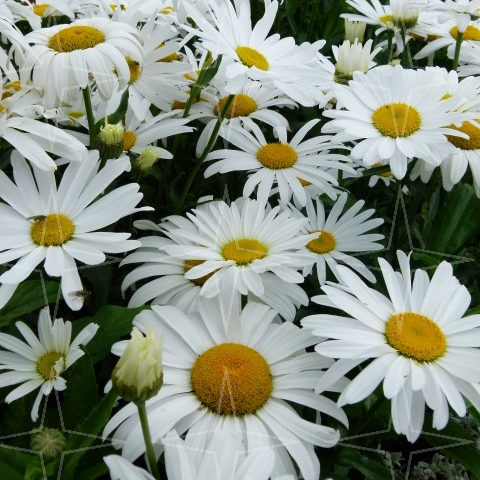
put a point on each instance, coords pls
(386, 174)
(396, 120)
(76, 37)
(46, 363)
(303, 182)
(134, 68)
(242, 106)
(415, 336)
(473, 143)
(386, 18)
(52, 230)
(277, 155)
(40, 9)
(189, 264)
(471, 33)
(252, 58)
(129, 139)
(244, 250)
(232, 379)
(324, 243)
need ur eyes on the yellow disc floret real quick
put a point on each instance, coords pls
(135, 69)
(244, 250)
(277, 155)
(396, 120)
(52, 230)
(324, 243)
(40, 9)
(473, 143)
(471, 33)
(232, 379)
(129, 139)
(76, 37)
(252, 58)
(189, 264)
(242, 106)
(415, 336)
(46, 364)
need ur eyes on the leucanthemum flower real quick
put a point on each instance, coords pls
(372, 12)
(235, 374)
(397, 114)
(460, 10)
(340, 235)
(58, 225)
(285, 163)
(40, 362)
(416, 341)
(64, 57)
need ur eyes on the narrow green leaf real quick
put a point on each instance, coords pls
(116, 116)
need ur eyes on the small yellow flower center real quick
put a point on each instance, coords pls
(46, 364)
(11, 88)
(252, 58)
(242, 106)
(76, 114)
(324, 243)
(52, 230)
(303, 182)
(277, 155)
(40, 9)
(135, 69)
(189, 264)
(415, 336)
(169, 58)
(471, 33)
(76, 37)
(129, 139)
(232, 379)
(244, 250)
(388, 18)
(396, 120)
(473, 143)
(386, 174)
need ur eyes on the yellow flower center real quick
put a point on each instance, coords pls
(135, 69)
(76, 114)
(40, 9)
(52, 230)
(169, 58)
(252, 58)
(46, 364)
(396, 120)
(324, 243)
(129, 139)
(277, 155)
(242, 106)
(76, 37)
(473, 143)
(386, 18)
(2, 108)
(10, 88)
(471, 33)
(386, 174)
(232, 379)
(244, 250)
(415, 336)
(189, 264)
(303, 182)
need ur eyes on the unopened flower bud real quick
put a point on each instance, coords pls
(147, 159)
(354, 31)
(110, 141)
(138, 374)
(50, 442)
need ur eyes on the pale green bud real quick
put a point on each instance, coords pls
(50, 442)
(110, 141)
(354, 31)
(147, 159)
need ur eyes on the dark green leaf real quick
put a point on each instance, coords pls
(116, 116)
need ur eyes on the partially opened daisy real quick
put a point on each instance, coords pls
(396, 114)
(40, 362)
(58, 225)
(416, 341)
(339, 236)
(235, 374)
(285, 163)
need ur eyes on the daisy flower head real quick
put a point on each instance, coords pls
(58, 225)
(462, 11)
(415, 340)
(396, 114)
(338, 236)
(282, 162)
(250, 52)
(237, 375)
(64, 57)
(40, 362)
(371, 12)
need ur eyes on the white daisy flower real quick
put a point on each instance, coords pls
(59, 225)
(461, 11)
(63, 57)
(372, 12)
(286, 163)
(421, 346)
(234, 374)
(398, 114)
(40, 362)
(340, 234)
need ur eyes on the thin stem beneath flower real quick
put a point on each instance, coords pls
(142, 413)
(458, 45)
(89, 111)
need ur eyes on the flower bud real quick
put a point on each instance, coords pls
(138, 374)
(50, 442)
(147, 159)
(354, 31)
(109, 141)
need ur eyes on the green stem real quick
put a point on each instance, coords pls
(142, 413)
(203, 156)
(89, 110)
(390, 45)
(458, 45)
(407, 61)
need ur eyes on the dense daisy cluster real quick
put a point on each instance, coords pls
(255, 317)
